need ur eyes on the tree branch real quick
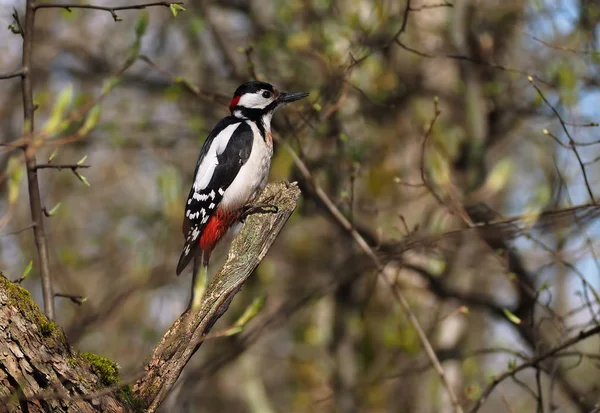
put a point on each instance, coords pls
(72, 167)
(35, 202)
(112, 10)
(184, 337)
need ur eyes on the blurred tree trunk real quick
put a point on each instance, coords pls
(343, 349)
(36, 359)
(343, 344)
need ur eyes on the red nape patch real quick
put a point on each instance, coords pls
(234, 102)
(215, 228)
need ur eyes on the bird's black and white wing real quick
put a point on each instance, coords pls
(224, 152)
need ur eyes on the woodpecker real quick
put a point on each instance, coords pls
(231, 171)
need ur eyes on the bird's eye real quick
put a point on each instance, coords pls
(267, 94)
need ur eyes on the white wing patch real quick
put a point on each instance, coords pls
(207, 167)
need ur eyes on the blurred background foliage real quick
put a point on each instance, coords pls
(331, 337)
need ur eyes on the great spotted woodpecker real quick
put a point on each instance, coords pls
(232, 169)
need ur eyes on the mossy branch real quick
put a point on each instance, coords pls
(186, 335)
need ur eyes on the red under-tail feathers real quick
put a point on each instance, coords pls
(216, 227)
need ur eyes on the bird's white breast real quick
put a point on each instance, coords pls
(253, 175)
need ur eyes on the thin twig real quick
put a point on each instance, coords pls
(251, 68)
(395, 38)
(540, 394)
(20, 29)
(61, 167)
(18, 231)
(77, 299)
(562, 48)
(112, 10)
(531, 363)
(471, 60)
(10, 75)
(424, 177)
(584, 125)
(455, 207)
(432, 6)
(571, 140)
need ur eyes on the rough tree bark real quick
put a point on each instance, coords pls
(40, 372)
(36, 360)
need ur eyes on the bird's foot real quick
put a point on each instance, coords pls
(263, 208)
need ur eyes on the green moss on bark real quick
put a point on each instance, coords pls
(104, 368)
(21, 298)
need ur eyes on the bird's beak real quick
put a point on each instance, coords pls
(285, 97)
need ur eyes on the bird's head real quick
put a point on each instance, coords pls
(255, 100)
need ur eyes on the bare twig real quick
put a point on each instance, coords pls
(61, 167)
(77, 299)
(572, 144)
(424, 177)
(16, 73)
(562, 48)
(112, 10)
(472, 60)
(251, 67)
(395, 38)
(18, 231)
(432, 6)
(531, 363)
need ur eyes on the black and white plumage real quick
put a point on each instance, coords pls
(232, 168)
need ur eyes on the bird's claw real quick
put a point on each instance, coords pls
(264, 208)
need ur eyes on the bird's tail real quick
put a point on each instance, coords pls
(187, 253)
